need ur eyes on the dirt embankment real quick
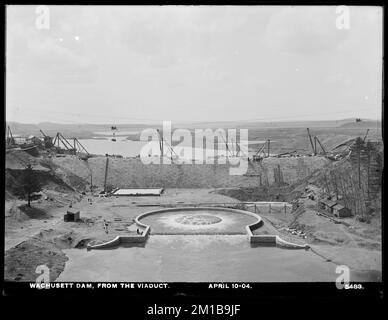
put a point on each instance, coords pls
(21, 261)
(350, 242)
(272, 193)
(353, 243)
(45, 248)
(49, 175)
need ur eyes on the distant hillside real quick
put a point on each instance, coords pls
(68, 130)
(362, 124)
(267, 124)
(29, 128)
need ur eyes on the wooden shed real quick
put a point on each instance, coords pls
(330, 205)
(71, 215)
(340, 211)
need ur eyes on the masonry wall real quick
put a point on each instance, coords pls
(132, 173)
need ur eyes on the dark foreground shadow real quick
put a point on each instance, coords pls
(255, 244)
(33, 213)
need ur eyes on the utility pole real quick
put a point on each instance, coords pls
(311, 142)
(268, 141)
(160, 144)
(106, 172)
(369, 147)
(359, 166)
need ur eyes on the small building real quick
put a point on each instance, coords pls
(340, 211)
(330, 205)
(323, 203)
(71, 215)
(335, 208)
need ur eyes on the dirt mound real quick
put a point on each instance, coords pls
(14, 180)
(18, 160)
(33, 213)
(67, 174)
(50, 176)
(33, 254)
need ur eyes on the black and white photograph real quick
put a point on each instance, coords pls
(229, 146)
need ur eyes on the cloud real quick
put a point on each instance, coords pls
(339, 79)
(304, 30)
(58, 55)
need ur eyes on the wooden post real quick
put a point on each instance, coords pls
(106, 173)
(269, 141)
(285, 208)
(269, 208)
(359, 167)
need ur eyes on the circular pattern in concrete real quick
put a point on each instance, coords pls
(198, 219)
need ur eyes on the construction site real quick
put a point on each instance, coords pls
(315, 188)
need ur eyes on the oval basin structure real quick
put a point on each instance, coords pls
(198, 220)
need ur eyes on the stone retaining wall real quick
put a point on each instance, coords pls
(132, 173)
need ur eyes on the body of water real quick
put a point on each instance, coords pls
(116, 132)
(130, 148)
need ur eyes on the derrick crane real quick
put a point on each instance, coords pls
(161, 146)
(238, 149)
(74, 148)
(60, 138)
(319, 142)
(10, 139)
(79, 146)
(226, 145)
(366, 134)
(257, 156)
(311, 142)
(48, 141)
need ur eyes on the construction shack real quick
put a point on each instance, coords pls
(323, 203)
(330, 205)
(71, 216)
(340, 211)
(334, 207)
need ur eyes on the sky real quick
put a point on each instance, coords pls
(123, 64)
